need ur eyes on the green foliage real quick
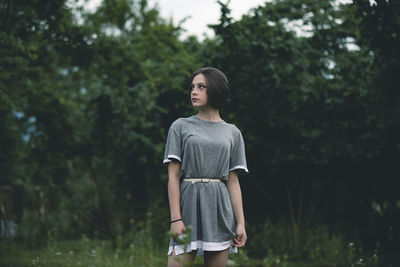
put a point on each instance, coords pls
(282, 78)
(319, 245)
(91, 112)
(308, 106)
(86, 100)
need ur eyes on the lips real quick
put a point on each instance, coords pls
(195, 99)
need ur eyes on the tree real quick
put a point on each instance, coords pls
(93, 114)
(302, 98)
(379, 33)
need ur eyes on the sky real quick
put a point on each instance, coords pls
(201, 12)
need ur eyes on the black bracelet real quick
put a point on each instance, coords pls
(176, 220)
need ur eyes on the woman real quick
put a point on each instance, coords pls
(205, 155)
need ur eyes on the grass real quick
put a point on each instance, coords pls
(91, 253)
(139, 248)
(83, 252)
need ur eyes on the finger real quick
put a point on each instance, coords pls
(239, 238)
(238, 245)
(236, 242)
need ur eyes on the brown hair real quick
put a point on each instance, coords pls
(218, 92)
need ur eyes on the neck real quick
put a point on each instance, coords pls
(209, 114)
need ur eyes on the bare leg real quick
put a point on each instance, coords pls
(185, 259)
(216, 258)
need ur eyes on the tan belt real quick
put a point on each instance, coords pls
(201, 180)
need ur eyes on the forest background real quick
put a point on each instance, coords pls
(86, 100)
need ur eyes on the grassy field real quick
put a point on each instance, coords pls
(91, 253)
(83, 252)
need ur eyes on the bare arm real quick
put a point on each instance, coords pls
(235, 194)
(174, 197)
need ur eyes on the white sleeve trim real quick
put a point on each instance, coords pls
(239, 167)
(167, 160)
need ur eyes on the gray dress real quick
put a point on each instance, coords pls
(206, 150)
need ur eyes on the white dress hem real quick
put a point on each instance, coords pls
(202, 246)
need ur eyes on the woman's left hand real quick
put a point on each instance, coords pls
(241, 236)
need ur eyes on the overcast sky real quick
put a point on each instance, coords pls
(201, 12)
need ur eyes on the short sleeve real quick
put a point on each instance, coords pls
(237, 160)
(173, 147)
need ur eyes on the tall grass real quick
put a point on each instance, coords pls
(84, 252)
(145, 244)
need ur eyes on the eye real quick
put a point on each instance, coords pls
(191, 87)
(202, 86)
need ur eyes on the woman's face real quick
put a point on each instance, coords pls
(199, 91)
